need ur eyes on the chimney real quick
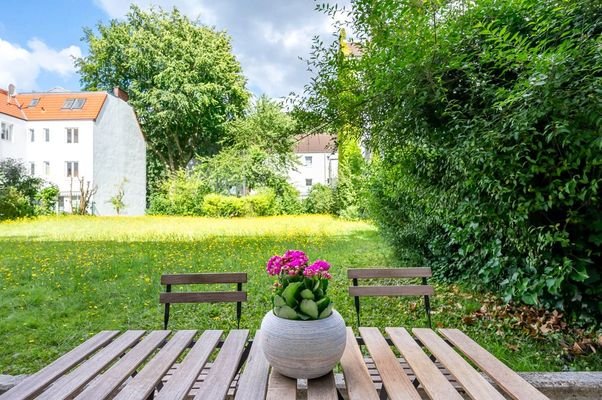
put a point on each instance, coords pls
(122, 94)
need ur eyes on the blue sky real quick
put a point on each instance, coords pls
(38, 38)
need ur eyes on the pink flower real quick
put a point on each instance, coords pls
(318, 268)
(274, 265)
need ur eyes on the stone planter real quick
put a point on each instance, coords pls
(303, 349)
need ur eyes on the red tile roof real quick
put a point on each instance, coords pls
(50, 105)
(320, 143)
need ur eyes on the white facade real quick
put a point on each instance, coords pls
(313, 168)
(104, 151)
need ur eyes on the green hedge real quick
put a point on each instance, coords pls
(487, 126)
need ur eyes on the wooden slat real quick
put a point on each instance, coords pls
(72, 382)
(406, 290)
(185, 279)
(180, 383)
(434, 383)
(143, 384)
(202, 297)
(515, 386)
(323, 388)
(395, 380)
(473, 383)
(34, 384)
(123, 369)
(369, 273)
(281, 387)
(357, 377)
(253, 381)
(224, 367)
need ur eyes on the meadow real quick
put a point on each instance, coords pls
(62, 279)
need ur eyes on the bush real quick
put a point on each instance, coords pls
(218, 205)
(288, 200)
(13, 204)
(320, 200)
(488, 127)
(262, 204)
(180, 194)
(47, 199)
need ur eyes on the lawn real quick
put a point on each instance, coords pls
(64, 278)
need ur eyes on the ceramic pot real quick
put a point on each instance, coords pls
(303, 349)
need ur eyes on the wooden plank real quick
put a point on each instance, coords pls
(405, 290)
(182, 380)
(184, 279)
(515, 386)
(369, 273)
(281, 387)
(434, 383)
(395, 380)
(253, 382)
(473, 383)
(357, 377)
(109, 381)
(69, 384)
(35, 383)
(224, 367)
(143, 384)
(202, 297)
(323, 388)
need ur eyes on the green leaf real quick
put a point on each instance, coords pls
(278, 301)
(323, 303)
(327, 311)
(290, 293)
(310, 308)
(307, 294)
(285, 312)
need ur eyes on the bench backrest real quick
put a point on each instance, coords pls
(168, 297)
(426, 290)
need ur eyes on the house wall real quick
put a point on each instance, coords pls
(119, 152)
(323, 169)
(15, 148)
(58, 152)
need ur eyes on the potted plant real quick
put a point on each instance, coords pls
(302, 336)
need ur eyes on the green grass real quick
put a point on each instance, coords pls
(63, 279)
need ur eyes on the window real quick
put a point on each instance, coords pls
(34, 102)
(46, 167)
(308, 161)
(73, 104)
(72, 135)
(32, 135)
(47, 134)
(32, 168)
(308, 182)
(6, 131)
(72, 168)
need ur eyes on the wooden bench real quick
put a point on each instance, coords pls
(424, 289)
(168, 297)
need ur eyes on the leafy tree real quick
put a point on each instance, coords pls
(256, 151)
(485, 117)
(181, 77)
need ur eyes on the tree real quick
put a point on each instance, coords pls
(117, 200)
(256, 151)
(181, 77)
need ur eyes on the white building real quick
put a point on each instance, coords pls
(65, 137)
(318, 163)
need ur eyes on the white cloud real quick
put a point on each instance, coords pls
(268, 36)
(22, 66)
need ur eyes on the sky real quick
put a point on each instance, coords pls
(39, 38)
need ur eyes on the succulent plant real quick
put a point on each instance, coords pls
(300, 292)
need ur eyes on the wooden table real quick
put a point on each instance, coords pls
(212, 365)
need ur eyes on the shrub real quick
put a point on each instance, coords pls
(180, 194)
(18, 190)
(47, 199)
(218, 205)
(13, 204)
(288, 199)
(262, 204)
(320, 200)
